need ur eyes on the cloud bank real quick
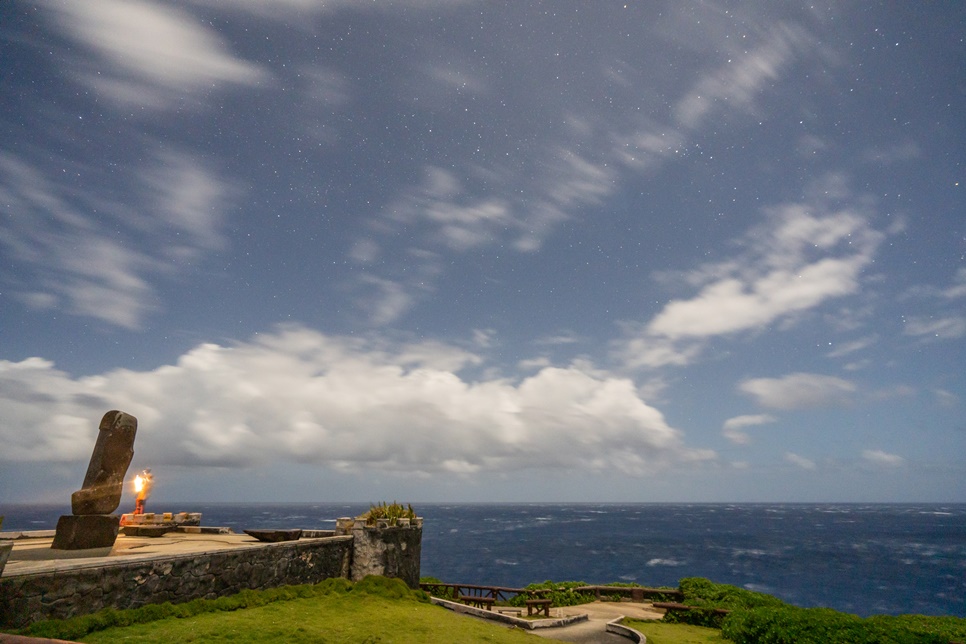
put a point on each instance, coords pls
(300, 396)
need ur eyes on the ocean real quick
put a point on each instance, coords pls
(862, 559)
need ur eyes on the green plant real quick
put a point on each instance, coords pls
(661, 633)
(388, 512)
(788, 624)
(707, 599)
(77, 627)
(562, 593)
(353, 613)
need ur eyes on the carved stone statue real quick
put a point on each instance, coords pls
(113, 451)
(92, 525)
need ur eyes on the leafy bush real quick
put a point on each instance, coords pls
(560, 593)
(702, 592)
(388, 512)
(706, 596)
(790, 624)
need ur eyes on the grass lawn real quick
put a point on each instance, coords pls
(661, 633)
(332, 618)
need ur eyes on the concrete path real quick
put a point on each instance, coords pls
(584, 623)
(598, 615)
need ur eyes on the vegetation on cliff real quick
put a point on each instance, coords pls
(382, 609)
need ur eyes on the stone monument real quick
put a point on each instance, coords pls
(92, 524)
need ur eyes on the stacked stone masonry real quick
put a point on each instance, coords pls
(31, 597)
(388, 551)
(355, 551)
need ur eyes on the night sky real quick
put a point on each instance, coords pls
(486, 251)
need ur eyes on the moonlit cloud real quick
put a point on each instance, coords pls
(800, 461)
(733, 427)
(149, 49)
(93, 264)
(943, 328)
(847, 348)
(736, 85)
(794, 263)
(300, 396)
(799, 391)
(958, 289)
(878, 457)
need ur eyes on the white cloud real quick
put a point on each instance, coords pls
(878, 457)
(944, 328)
(799, 391)
(800, 461)
(638, 350)
(732, 428)
(893, 153)
(385, 301)
(187, 197)
(342, 403)
(946, 398)
(958, 289)
(795, 262)
(801, 257)
(299, 9)
(96, 264)
(737, 84)
(150, 53)
(846, 348)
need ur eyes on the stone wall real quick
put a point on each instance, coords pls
(388, 551)
(31, 597)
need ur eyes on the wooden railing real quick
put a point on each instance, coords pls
(501, 593)
(495, 593)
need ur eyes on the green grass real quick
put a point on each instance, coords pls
(373, 610)
(345, 618)
(661, 633)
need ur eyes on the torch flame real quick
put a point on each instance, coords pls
(142, 488)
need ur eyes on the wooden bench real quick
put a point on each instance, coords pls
(479, 602)
(539, 605)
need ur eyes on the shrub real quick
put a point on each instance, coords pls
(389, 512)
(790, 624)
(388, 588)
(706, 596)
(702, 592)
(560, 593)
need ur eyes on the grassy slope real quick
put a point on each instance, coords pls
(332, 618)
(660, 633)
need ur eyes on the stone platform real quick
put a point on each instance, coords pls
(40, 583)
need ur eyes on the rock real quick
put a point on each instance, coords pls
(274, 536)
(113, 451)
(147, 530)
(86, 531)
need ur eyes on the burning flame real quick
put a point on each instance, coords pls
(142, 488)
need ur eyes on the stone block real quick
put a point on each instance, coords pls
(86, 531)
(275, 536)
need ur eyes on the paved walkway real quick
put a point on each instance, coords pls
(598, 614)
(584, 623)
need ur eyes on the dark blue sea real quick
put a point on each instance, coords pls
(862, 559)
